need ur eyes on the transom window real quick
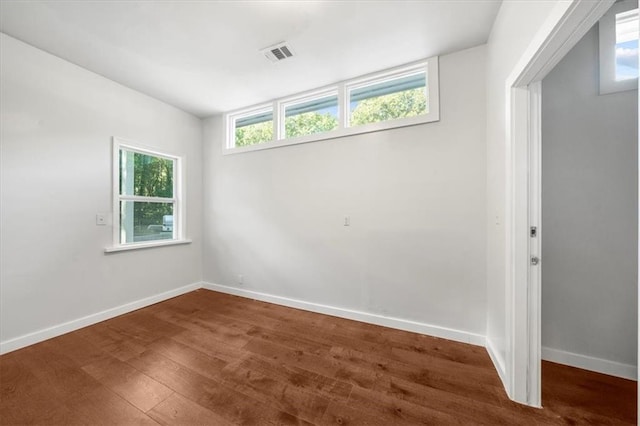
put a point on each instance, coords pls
(388, 99)
(317, 114)
(254, 128)
(403, 96)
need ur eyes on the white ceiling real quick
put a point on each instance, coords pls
(203, 56)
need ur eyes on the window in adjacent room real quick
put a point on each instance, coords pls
(618, 31)
(627, 45)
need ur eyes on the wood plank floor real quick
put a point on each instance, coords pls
(207, 358)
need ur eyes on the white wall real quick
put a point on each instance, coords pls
(516, 25)
(589, 211)
(415, 249)
(57, 124)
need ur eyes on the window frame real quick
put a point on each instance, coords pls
(231, 120)
(179, 211)
(381, 78)
(607, 50)
(430, 66)
(299, 99)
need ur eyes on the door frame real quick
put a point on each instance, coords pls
(566, 25)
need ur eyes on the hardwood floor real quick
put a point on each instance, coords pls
(207, 358)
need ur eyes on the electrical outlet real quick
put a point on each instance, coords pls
(101, 219)
(240, 279)
(347, 221)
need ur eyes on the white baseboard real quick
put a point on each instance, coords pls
(398, 323)
(499, 364)
(612, 368)
(57, 330)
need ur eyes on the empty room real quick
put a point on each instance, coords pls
(318, 212)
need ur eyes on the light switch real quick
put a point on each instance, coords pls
(101, 219)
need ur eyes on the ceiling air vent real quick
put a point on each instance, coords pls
(278, 52)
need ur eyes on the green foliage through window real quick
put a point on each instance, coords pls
(254, 133)
(145, 175)
(400, 97)
(408, 103)
(309, 123)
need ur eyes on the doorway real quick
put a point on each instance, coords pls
(589, 244)
(563, 29)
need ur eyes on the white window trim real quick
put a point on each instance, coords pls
(179, 207)
(307, 96)
(607, 36)
(343, 88)
(230, 119)
(379, 78)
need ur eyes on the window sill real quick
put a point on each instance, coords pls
(339, 133)
(146, 245)
(608, 87)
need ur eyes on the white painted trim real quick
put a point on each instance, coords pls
(179, 206)
(638, 266)
(638, 275)
(518, 243)
(336, 134)
(385, 321)
(565, 26)
(343, 105)
(525, 291)
(67, 327)
(599, 365)
(430, 65)
(231, 118)
(534, 387)
(498, 362)
(146, 245)
(331, 91)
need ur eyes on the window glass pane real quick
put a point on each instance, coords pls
(390, 99)
(310, 117)
(145, 175)
(145, 221)
(627, 45)
(254, 129)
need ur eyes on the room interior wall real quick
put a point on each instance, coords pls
(589, 216)
(415, 249)
(515, 27)
(56, 124)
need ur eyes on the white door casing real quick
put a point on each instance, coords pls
(566, 25)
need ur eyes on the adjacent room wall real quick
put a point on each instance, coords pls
(516, 25)
(589, 215)
(57, 124)
(415, 249)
